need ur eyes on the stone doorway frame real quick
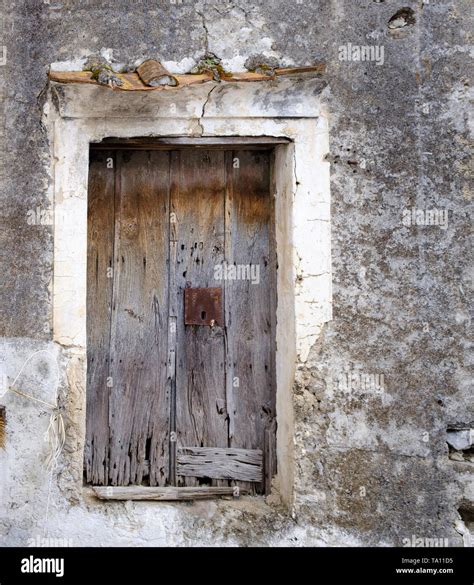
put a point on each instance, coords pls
(76, 115)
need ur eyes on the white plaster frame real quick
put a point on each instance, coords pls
(77, 115)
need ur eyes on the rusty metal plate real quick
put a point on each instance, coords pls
(203, 306)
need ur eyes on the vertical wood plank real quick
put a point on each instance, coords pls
(228, 258)
(171, 391)
(99, 297)
(252, 317)
(269, 456)
(139, 406)
(197, 199)
(173, 313)
(271, 428)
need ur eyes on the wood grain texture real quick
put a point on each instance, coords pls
(163, 494)
(229, 259)
(164, 220)
(197, 200)
(201, 142)
(269, 456)
(236, 464)
(139, 408)
(173, 312)
(99, 300)
(3, 427)
(251, 316)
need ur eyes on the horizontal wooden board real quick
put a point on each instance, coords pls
(132, 82)
(173, 143)
(163, 494)
(220, 463)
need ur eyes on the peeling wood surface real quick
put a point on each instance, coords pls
(236, 464)
(163, 494)
(132, 81)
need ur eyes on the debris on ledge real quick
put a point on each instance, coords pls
(102, 72)
(133, 82)
(212, 65)
(262, 64)
(153, 74)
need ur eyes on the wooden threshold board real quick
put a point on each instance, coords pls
(163, 493)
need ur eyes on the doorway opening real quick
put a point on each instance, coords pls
(181, 314)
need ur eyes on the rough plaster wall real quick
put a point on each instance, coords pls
(400, 293)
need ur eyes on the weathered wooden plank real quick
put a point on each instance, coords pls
(228, 257)
(236, 464)
(171, 387)
(316, 68)
(269, 456)
(132, 81)
(251, 323)
(170, 143)
(172, 324)
(3, 426)
(100, 251)
(197, 200)
(163, 494)
(270, 451)
(139, 408)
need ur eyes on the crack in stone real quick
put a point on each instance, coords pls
(206, 30)
(203, 111)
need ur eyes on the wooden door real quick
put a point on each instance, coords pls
(175, 396)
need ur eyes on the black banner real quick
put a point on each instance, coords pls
(235, 566)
